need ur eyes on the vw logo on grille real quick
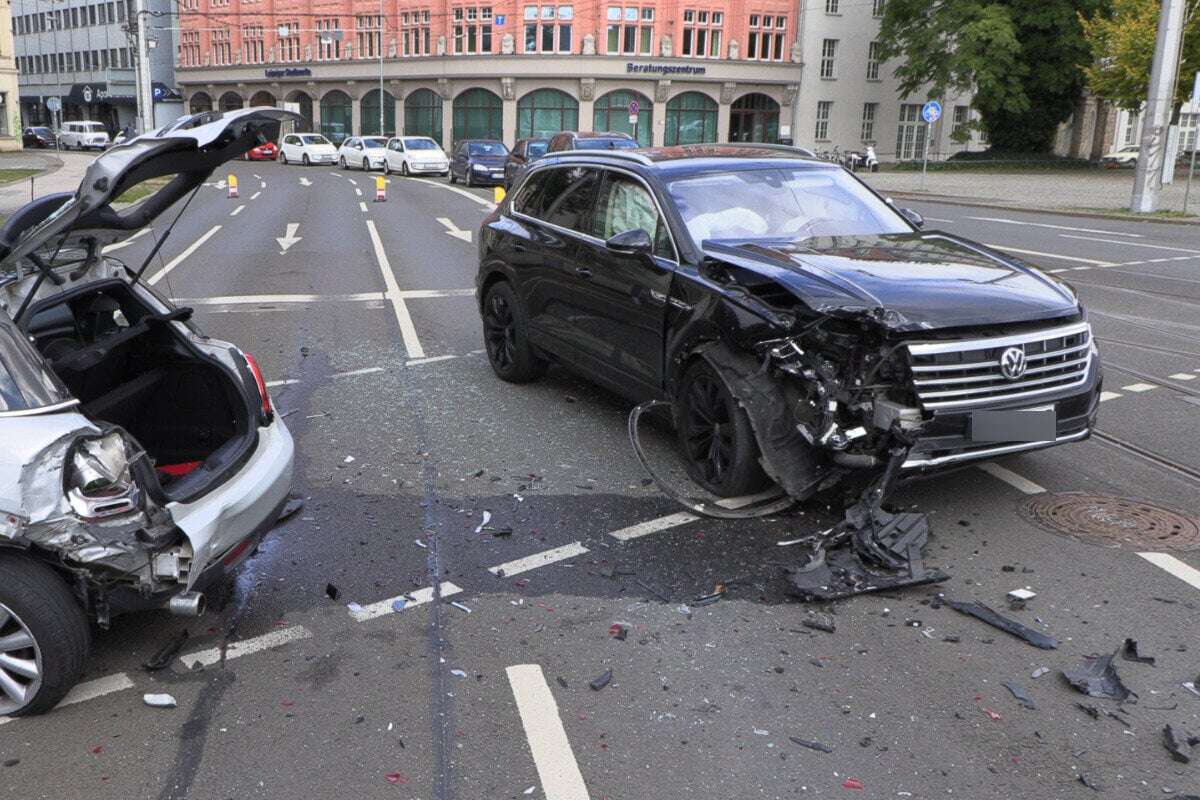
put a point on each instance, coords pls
(1012, 363)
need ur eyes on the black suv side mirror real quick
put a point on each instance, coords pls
(913, 217)
(634, 242)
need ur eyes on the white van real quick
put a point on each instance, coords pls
(81, 135)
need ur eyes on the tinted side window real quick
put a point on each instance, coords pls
(528, 196)
(625, 205)
(566, 197)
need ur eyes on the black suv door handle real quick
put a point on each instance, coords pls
(583, 272)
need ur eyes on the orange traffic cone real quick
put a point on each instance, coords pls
(233, 187)
(380, 189)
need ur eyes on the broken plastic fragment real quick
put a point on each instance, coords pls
(985, 614)
(396, 777)
(1180, 749)
(820, 748)
(1097, 677)
(355, 608)
(1129, 652)
(458, 673)
(1039, 672)
(1020, 694)
(460, 606)
(166, 653)
(820, 622)
(487, 517)
(159, 700)
(618, 631)
(398, 604)
(600, 681)
(331, 591)
(852, 783)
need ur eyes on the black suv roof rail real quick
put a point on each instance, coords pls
(626, 154)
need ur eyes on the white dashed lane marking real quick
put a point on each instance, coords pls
(1174, 566)
(1139, 387)
(542, 559)
(237, 210)
(89, 690)
(1105, 396)
(244, 647)
(1014, 480)
(548, 743)
(1182, 376)
(1057, 256)
(179, 259)
(418, 598)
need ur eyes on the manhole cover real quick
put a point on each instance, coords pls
(1107, 520)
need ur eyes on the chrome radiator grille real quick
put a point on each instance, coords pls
(969, 373)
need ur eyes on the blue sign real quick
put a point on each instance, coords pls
(499, 20)
(931, 112)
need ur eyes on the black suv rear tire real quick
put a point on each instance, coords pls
(37, 601)
(715, 435)
(505, 335)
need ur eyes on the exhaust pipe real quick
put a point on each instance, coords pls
(188, 604)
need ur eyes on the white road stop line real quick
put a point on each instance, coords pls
(548, 743)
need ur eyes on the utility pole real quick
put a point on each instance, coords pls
(382, 28)
(145, 94)
(1160, 100)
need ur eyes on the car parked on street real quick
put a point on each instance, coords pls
(267, 151)
(1126, 156)
(363, 152)
(142, 460)
(803, 328)
(38, 137)
(523, 152)
(415, 155)
(82, 135)
(590, 140)
(478, 162)
(306, 149)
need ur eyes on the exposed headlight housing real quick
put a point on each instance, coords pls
(98, 479)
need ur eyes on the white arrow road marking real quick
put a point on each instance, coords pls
(454, 230)
(220, 184)
(412, 344)
(289, 238)
(305, 182)
(177, 260)
(112, 247)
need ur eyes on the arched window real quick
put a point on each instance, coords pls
(545, 112)
(369, 114)
(305, 102)
(691, 119)
(336, 116)
(612, 114)
(423, 114)
(754, 118)
(477, 115)
(199, 103)
(263, 98)
(230, 101)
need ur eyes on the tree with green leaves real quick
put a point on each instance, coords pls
(1122, 38)
(1022, 60)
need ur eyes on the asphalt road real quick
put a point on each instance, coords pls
(367, 328)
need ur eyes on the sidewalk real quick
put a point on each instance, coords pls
(62, 173)
(1099, 191)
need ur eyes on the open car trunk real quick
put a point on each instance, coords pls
(131, 366)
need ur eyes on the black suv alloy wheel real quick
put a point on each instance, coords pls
(717, 440)
(504, 336)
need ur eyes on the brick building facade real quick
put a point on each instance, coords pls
(723, 70)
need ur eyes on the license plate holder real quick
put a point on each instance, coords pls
(1014, 425)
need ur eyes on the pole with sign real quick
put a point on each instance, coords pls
(931, 112)
(634, 108)
(1195, 141)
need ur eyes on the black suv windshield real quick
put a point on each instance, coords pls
(25, 382)
(788, 203)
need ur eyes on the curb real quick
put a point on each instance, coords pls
(952, 200)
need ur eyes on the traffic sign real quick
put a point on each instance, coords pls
(931, 112)
(499, 20)
(54, 104)
(633, 108)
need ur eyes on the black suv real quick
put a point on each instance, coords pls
(802, 327)
(590, 140)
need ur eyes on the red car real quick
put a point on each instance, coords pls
(264, 152)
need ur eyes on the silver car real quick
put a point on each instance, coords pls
(141, 460)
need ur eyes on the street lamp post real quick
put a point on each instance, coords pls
(382, 27)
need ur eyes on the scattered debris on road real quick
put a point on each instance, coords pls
(618, 631)
(820, 622)
(985, 614)
(1020, 694)
(331, 591)
(1097, 677)
(811, 745)
(1017, 598)
(852, 783)
(166, 653)
(1129, 652)
(601, 680)
(161, 700)
(1179, 748)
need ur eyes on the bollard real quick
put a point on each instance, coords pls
(233, 187)
(498, 195)
(380, 189)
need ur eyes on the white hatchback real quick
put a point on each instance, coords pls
(365, 152)
(306, 149)
(415, 155)
(82, 135)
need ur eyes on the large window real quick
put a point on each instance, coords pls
(877, 7)
(329, 39)
(548, 29)
(199, 103)
(873, 61)
(829, 58)
(868, 121)
(910, 133)
(831, 6)
(545, 112)
(304, 101)
(962, 120)
(824, 112)
(336, 116)
(230, 101)
(423, 114)
(754, 118)
(369, 30)
(415, 33)
(766, 37)
(691, 119)
(630, 30)
(701, 36)
(252, 41)
(472, 29)
(289, 43)
(369, 114)
(189, 48)
(222, 48)
(477, 115)
(611, 113)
